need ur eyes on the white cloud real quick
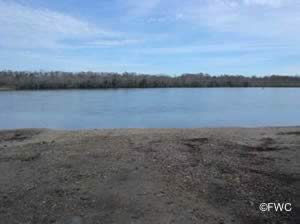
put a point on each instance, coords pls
(272, 3)
(249, 17)
(248, 30)
(53, 61)
(26, 27)
(110, 43)
(225, 48)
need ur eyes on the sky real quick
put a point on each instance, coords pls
(246, 37)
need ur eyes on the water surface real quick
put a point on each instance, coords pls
(150, 108)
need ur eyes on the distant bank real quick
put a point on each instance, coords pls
(92, 80)
(5, 88)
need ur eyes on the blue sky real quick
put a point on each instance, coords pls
(250, 37)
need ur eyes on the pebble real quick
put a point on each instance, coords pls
(84, 197)
(75, 220)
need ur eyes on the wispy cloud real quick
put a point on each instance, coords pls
(26, 27)
(110, 43)
(49, 60)
(272, 3)
(225, 48)
(262, 18)
(151, 35)
(259, 18)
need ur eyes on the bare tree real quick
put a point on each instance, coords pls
(91, 80)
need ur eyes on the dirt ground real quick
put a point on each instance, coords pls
(149, 175)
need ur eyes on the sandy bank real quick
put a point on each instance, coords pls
(148, 175)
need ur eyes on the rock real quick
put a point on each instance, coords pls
(84, 197)
(221, 221)
(74, 220)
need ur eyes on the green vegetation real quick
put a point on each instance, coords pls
(91, 80)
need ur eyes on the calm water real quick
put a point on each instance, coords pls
(150, 108)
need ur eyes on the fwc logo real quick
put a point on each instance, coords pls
(277, 207)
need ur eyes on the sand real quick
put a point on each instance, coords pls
(148, 175)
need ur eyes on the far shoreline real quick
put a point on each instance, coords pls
(4, 89)
(107, 80)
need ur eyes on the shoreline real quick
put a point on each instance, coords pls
(136, 88)
(146, 128)
(206, 175)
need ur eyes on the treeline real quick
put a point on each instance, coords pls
(92, 80)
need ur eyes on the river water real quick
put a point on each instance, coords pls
(150, 108)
